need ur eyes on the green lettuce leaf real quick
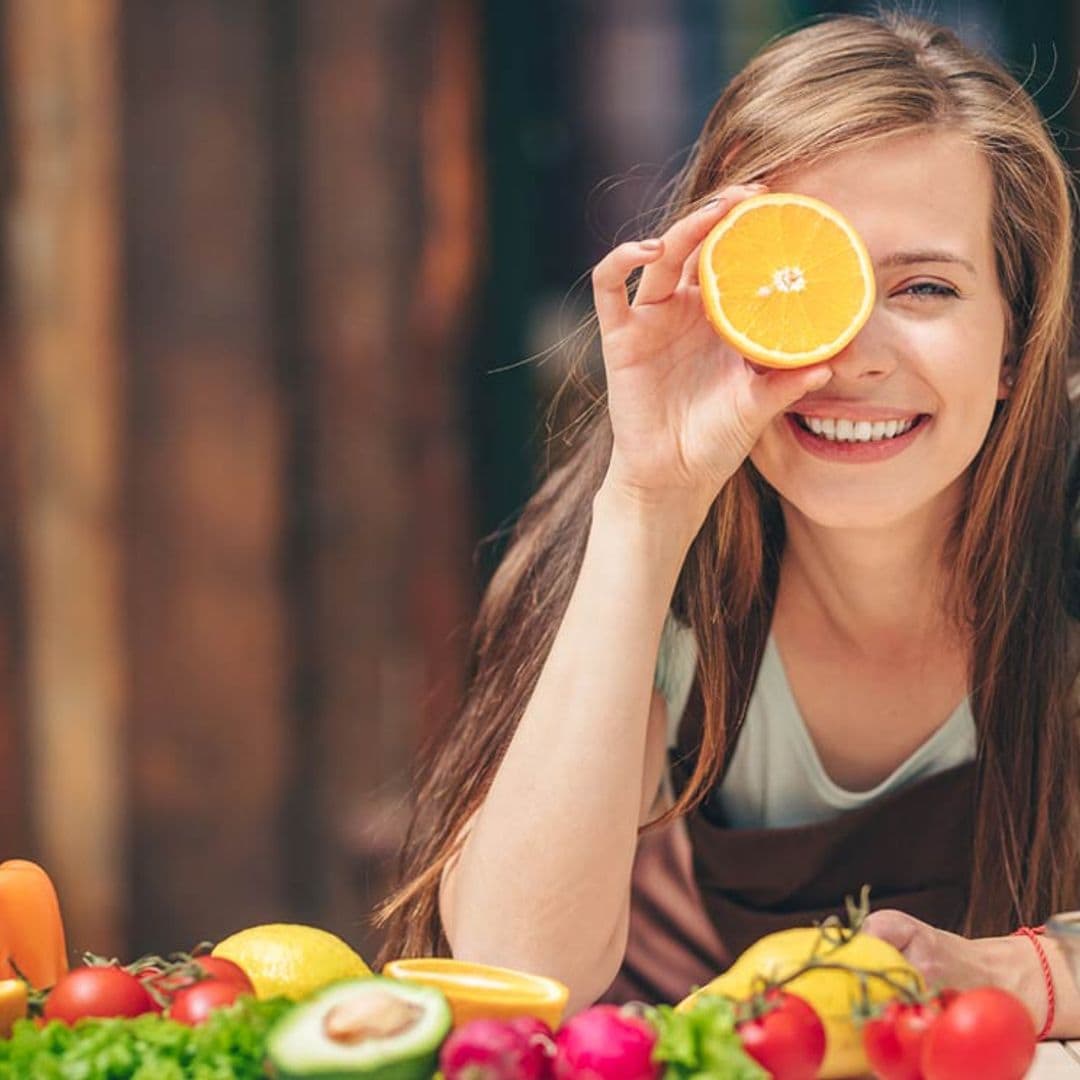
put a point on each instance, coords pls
(230, 1045)
(702, 1043)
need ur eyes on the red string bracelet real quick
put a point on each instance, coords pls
(1032, 934)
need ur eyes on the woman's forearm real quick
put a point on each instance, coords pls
(543, 878)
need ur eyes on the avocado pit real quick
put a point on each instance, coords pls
(374, 1015)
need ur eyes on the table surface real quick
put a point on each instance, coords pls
(1056, 1061)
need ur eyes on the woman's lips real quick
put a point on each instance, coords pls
(855, 452)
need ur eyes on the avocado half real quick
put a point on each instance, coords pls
(375, 1028)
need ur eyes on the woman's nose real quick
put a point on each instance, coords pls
(869, 355)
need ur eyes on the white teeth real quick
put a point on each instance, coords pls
(856, 430)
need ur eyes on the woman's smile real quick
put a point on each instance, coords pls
(855, 442)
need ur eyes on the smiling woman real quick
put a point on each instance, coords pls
(766, 636)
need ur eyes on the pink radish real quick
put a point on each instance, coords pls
(491, 1050)
(606, 1043)
(541, 1043)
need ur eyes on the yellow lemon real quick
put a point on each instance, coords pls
(291, 960)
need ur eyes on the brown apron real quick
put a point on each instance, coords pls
(702, 891)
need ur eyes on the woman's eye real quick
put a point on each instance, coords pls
(930, 289)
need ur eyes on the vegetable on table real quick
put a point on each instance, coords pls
(498, 1050)
(217, 967)
(231, 1045)
(701, 1040)
(374, 1028)
(97, 992)
(31, 931)
(541, 1041)
(783, 1034)
(894, 1038)
(606, 1042)
(194, 1004)
(832, 967)
(986, 1033)
(13, 1004)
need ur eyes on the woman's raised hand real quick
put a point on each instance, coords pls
(686, 408)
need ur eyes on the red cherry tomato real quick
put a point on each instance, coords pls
(985, 1033)
(97, 991)
(213, 967)
(149, 977)
(194, 1003)
(894, 1040)
(788, 1040)
(217, 967)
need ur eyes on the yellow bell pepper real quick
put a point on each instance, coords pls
(13, 1004)
(31, 931)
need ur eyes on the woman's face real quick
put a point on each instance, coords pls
(931, 351)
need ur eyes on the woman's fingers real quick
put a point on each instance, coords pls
(609, 280)
(664, 260)
(775, 391)
(683, 240)
(690, 278)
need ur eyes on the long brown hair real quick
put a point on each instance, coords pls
(831, 85)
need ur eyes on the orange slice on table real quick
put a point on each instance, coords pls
(786, 280)
(480, 991)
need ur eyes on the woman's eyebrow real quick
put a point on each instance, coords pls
(906, 258)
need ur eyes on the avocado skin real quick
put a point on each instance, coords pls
(416, 1069)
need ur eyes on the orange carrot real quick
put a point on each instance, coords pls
(6, 970)
(30, 924)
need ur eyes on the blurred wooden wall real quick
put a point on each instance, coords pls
(239, 252)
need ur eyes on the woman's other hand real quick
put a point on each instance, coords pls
(947, 960)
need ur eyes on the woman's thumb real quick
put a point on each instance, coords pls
(776, 391)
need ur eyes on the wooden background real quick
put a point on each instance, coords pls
(239, 241)
(258, 259)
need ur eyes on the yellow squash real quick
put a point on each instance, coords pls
(13, 1004)
(831, 992)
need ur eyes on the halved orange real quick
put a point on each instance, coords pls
(478, 991)
(786, 279)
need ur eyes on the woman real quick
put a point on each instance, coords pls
(895, 613)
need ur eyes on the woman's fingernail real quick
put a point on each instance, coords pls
(652, 245)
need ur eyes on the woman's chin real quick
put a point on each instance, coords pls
(865, 511)
(872, 508)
